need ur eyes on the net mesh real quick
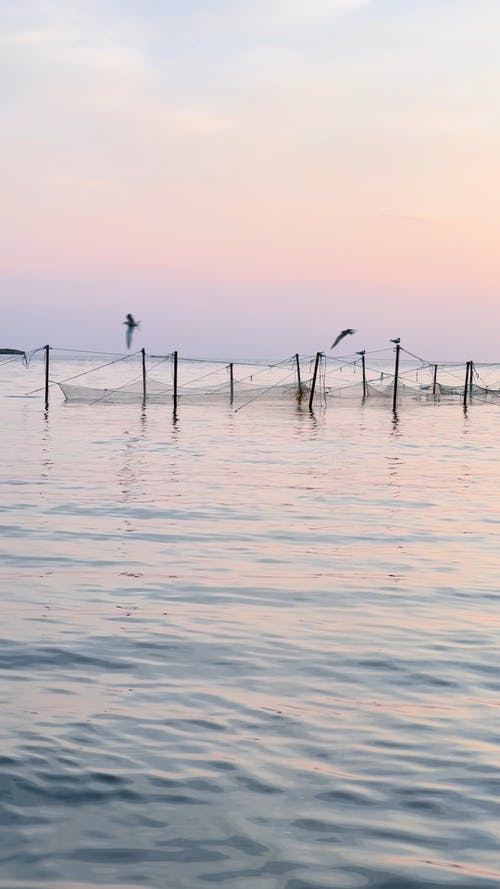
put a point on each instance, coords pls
(369, 378)
(162, 393)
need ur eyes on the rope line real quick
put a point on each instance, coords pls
(88, 352)
(14, 358)
(129, 382)
(266, 367)
(100, 367)
(260, 394)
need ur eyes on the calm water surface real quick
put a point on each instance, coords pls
(256, 650)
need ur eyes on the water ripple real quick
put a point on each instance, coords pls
(252, 654)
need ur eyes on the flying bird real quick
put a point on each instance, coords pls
(347, 332)
(130, 324)
(397, 340)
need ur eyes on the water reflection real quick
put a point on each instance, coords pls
(46, 446)
(175, 422)
(282, 676)
(310, 421)
(396, 431)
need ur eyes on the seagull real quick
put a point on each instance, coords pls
(347, 332)
(397, 340)
(130, 324)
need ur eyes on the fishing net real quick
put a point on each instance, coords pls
(370, 378)
(156, 392)
(196, 382)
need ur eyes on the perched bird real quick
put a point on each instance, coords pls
(363, 352)
(130, 324)
(397, 340)
(347, 332)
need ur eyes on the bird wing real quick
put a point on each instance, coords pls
(129, 336)
(341, 336)
(337, 340)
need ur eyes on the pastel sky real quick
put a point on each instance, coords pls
(247, 178)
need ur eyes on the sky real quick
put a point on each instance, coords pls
(249, 177)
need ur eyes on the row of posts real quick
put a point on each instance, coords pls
(467, 393)
(144, 376)
(468, 385)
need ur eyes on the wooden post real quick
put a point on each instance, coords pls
(175, 357)
(363, 367)
(466, 386)
(313, 385)
(143, 353)
(434, 379)
(231, 384)
(471, 378)
(396, 371)
(299, 383)
(47, 363)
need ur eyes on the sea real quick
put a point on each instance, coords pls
(253, 648)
